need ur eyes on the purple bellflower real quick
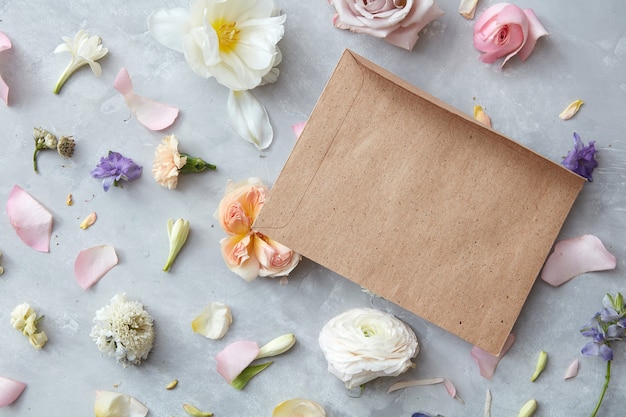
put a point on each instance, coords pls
(114, 168)
(581, 159)
(606, 326)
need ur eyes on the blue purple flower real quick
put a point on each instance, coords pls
(115, 168)
(581, 159)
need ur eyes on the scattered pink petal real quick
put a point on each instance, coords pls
(32, 222)
(575, 256)
(93, 263)
(5, 43)
(451, 389)
(572, 370)
(414, 383)
(10, 390)
(151, 114)
(298, 128)
(235, 358)
(488, 362)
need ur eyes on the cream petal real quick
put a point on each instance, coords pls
(151, 114)
(467, 8)
(298, 407)
(169, 27)
(113, 404)
(249, 118)
(572, 369)
(93, 263)
(487, 362)
(10, 390)
(414, 383)
(571, 110)
(234, 358)
(214, 321)
(32, 222)
(575, 256)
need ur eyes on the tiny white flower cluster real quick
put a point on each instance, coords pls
(124, 329)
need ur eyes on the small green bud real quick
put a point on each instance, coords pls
(541, 365)
(528, 409)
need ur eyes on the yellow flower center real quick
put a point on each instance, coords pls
(227, 33)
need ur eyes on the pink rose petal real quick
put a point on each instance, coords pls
(10, 390)
(235, 358)
(572, 257)
(535, 31)
(572, 370)
(32, 222)
(487, 363)
(5, 43)
(151, 114)
(298, 128)
(93, 263)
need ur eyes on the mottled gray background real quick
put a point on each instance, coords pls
(583, 57)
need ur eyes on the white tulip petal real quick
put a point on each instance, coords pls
(169, 27)
(113, 404)
(249, 118)
(214, 321)
(467, 8)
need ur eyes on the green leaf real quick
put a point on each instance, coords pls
(247, 374)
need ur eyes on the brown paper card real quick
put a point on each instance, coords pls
(418, 203)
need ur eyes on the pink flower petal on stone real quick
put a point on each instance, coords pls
(298, 128)
(5, 43)
(10, 390)
(575, 256)
(235, 358)
(151, 114)
(32, 222)
(572, 369)
(487, 363)
(93, 263)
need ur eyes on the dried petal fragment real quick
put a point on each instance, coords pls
(151, 114)
(467, 8)
(414, 383)
(451, 390)
(572, 369)
(89, 220)
(487, 362)
(68, 200)
(481, 116)
(32, 222)
(93, 263)
(10, 390)
(571, 110)
(575, 256)
(488, 404)
(172, 384)
(195, 412)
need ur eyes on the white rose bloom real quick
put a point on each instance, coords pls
(124, 329)
(362, 344)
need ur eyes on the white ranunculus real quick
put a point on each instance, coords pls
(231, 40)
(362, 344)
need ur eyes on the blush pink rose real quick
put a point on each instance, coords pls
(505, 30)
(275, 260)
(396, 21)
(240, 205)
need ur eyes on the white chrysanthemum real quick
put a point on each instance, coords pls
(363, 344)
(124, 329)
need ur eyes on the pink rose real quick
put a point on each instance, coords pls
(396, 21)
(246, 252)
(240, 205)
(506, 30)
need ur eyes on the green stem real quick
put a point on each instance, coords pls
(607, 378)
(64, 76)
(194, 164)
(35, 159)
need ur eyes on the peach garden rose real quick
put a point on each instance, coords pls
(396, 21)
(246, 252)
(505, 30)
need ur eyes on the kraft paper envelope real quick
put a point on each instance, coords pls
(418, 203)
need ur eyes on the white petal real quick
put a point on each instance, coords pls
(214, 321)
(113, 404)
(298, 407)
(249, 118)
(169, 27)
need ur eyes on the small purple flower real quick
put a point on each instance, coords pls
(581, 159)
(114, 168)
